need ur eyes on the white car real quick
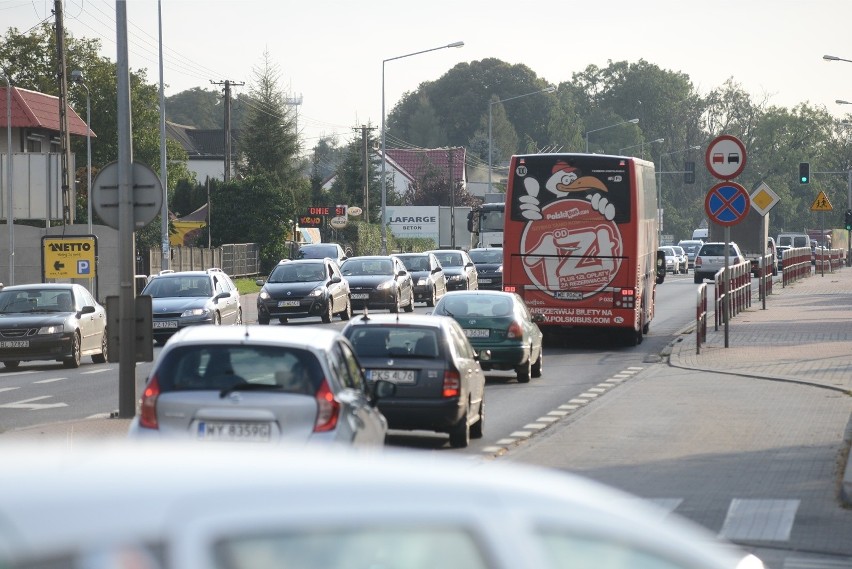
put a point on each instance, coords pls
(243, 507)
(673, 262)
(711, 258)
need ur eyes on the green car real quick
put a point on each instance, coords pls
(500, 327)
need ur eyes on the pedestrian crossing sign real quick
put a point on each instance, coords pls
(821, 203)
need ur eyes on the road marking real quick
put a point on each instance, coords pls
(50, 380)
(8, 388)
(102, 370)
(26, 404)
(764, 520)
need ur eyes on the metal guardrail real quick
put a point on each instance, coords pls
(701, 318)
(796, 263)
(733, 292)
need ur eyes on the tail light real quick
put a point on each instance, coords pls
(625, 298)
(452, 383)
(148, 405)
(328, 409)
(515, 331)
(697, 261)
(509, 288)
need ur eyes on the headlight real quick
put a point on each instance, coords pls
(317, 291)
(422, 281)
(500, 269)
(263, 295)
(55, 329)
(385, 285)
(195, 312)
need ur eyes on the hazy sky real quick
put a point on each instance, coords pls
(330, 52)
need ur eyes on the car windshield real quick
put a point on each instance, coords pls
(491, 256)
(298, 273)
(449, 259)
(474, 305)
(179, 286)
(416, 263)
(318, 252)
(395, 341)
(365, 267)
(716, 250)
(238, 367)
(36, 300)
(668, 251)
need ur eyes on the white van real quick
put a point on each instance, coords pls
(794, 240)
(700, 234)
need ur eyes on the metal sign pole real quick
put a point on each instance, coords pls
(726, 290)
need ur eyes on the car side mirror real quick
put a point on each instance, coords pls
(482, 356)
(260, 282)
(537, 317)
(401, 274)
(222, 295)
(335, 279)
(88, 310)
(380, 389)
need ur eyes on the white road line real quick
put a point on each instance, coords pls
(764, 520)
(50, 380)
(8, 388)
(26, 404)
(102, 370)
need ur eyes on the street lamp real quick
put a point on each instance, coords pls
(848, 173)
(77, 77)
(10, 217)
(835, 58)
(642, 144)
(384, 158)
(588, 132)
(842, 102)
(550, 89)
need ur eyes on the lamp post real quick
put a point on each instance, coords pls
(384, 159)
(550, 89)
(588, 132)
(642, 145)
(835, 58)
(660, 186)
(848, 173)
(77, 77)
(10, 218)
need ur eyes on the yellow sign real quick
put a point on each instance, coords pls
(821, 203)
(71, 257)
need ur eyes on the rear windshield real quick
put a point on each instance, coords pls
(318, 252)
(492, 256)
(218, 367)
(397, 341)
(717, 250)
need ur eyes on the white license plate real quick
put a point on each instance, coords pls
(15, 344)
(283, 303)
(476, 332)
(165, 324)
(392, 375)
(485, 281)
(361, 296)
(220, 431)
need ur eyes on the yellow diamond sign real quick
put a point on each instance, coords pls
(821, 203)
(763, 198)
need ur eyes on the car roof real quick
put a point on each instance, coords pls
(307, 337)
(413, 319)
(484, 249)
(480, 292)
(87, 498)
(28, 286)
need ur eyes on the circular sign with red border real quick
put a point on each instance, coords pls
(727, 203)
(725, 157)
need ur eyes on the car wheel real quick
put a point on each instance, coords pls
(160, 341)
(524, 371)
(460, 434)
(282, 320)
(697, 278)
(74, 360)
(101, 357)
(536, 367)
(217, 319)
(262, 319)
(410, 306)
(347, 312)
(239, 319)
(11, 364)
(395, 307)
(431, 300)
(476, 428)
(329, 311)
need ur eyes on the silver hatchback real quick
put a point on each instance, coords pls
(260, 385)
(711, 258)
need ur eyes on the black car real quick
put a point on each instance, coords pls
(61, 322)
(303, 288)
(440, 385)
(189, 298)
(459, 268)
(489, 266)
(430, 283)
(379, 281)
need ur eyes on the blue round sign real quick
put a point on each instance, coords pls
(727, 203)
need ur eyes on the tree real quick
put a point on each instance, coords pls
(269, 143)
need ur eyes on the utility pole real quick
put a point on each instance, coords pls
(64, 135)
(452, 201)
(227, 84)
(365, 169)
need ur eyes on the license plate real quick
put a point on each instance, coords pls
(283, 303)
(485, 281)
(218, 431)
(165, 324)
(360, 296)
(15, 344)
(476, 332)
(392, 375)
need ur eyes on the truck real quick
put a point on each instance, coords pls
(752, 237)
(431, 222)
(486, 221)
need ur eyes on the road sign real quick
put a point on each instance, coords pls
(763, 199)
(147, 194)
(727, 203)
(71, 257)
(725, 157)
(821, 203)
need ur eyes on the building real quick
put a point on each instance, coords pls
(205, 149)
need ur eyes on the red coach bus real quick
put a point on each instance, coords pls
(581, 241)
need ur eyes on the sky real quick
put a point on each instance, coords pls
(331, 53)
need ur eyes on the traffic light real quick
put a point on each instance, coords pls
(848, 220)
(689, 172)
(804, 173)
